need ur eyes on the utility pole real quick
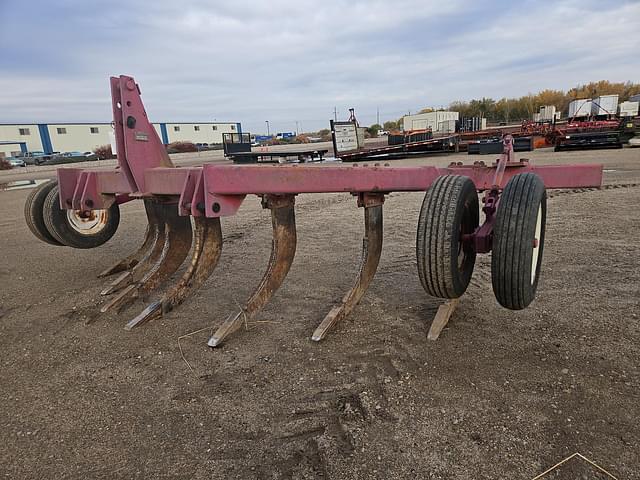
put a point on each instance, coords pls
(297, 129)
(268, 131)
(335, 114)
(378, 115)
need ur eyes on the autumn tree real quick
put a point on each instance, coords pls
(523, 108)
(391, 126)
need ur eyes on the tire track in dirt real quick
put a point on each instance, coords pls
(327, 422)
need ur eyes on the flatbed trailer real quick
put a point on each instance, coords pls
(403, 150)
(300, 156)
(588, 140)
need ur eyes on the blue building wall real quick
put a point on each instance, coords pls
(45, 138)
(163, 132)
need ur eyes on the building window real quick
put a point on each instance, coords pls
(94, 130)
(214, 127)
(233, 127)
(61, 131)
(196, 128)
(176, 129)
(24, 131)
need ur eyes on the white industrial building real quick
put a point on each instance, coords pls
(438, 122)
(85, 137)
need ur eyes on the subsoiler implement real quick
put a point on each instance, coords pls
(184, 207)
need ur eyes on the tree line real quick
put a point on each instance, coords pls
(518, 109)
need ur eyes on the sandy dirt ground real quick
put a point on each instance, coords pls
(500, 395)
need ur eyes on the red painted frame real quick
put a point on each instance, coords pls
(144, 170)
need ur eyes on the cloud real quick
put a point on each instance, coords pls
(281, 61)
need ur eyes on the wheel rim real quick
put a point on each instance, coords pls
(87, 222)
(461, 253)
(467, 226)
(536, 246)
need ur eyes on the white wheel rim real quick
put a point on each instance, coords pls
(536, 246)
(89, 222)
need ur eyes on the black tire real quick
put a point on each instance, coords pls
(449, 209)
(63, 229)
(513, 273)
(33, 213)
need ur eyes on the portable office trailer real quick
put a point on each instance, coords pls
(580, 108)
(628, 109)
(547, 113)
(604, 105)
(432, 120)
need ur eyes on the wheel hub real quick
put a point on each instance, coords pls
(87, 222)
(536, 246)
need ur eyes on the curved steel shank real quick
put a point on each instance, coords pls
(283, 249)
(207, 248)
(142, 259)
(168, 252)
(371, 250)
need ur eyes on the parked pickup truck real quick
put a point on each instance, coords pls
(35, 158)
(55, 158)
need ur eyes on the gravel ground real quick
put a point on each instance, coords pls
(500, 394)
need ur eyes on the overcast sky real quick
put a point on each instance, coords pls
(286, 61)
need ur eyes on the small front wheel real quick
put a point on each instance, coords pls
(518, 241)
(449, 211)
(79, 229)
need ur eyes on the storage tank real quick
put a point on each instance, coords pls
(580, 108)
(628, 109)
(605, 105)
